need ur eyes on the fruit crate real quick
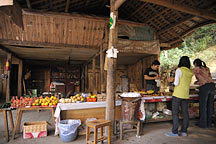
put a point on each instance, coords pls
(91, 99)
(35, 129)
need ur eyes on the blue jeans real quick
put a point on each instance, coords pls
(206, 104)
(176, 102)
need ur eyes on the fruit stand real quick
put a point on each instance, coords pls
(83, 111)
(19, 116)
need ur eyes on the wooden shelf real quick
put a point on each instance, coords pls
(169, 118)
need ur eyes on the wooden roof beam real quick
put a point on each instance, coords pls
(183, 8)
(192, 29)
(158, 14)
(7, 51)
(175, 34)
(175, 24)
(165, 45)
(118, 3)
(67, 6)
(137, 10)
(43, 44)
(28, 4)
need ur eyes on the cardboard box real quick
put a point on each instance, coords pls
(34, 129)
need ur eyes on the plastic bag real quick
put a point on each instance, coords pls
(67, 127)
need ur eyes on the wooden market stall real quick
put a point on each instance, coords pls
(66, 42)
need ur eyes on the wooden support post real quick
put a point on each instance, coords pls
(102, 70)
(83, 79)
(94, 75)
(86, 77)
(19, 90)
(111, 72)
(118, 3)
(9, 58)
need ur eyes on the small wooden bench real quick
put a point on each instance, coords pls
(98, 124)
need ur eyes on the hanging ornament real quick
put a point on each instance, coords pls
(7, 65)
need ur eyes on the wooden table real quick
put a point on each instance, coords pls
(6, 121)
(19, 116)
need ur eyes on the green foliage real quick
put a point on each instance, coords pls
(199, 41)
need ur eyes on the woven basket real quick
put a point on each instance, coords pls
(32, 127)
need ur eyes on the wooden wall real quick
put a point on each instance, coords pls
(51, 28)
(135, 73)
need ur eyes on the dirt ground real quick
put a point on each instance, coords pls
(153, 133)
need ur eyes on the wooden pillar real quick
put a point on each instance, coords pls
(94, 75)
(102, 70)
(86, 77)
(19, 87)
(9, 58)
(111, 73)
(83, 80)
(47, 79)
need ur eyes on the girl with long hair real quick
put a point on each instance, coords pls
(206, 92)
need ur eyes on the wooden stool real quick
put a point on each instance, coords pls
(137, 123)
(98, 124)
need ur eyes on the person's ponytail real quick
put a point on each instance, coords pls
(204, 64)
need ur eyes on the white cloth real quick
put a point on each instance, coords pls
(178, 75)
(142, 109)
(130, 94)
(71, 106)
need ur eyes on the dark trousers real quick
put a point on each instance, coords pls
(206, 104)
(176, 102)
(152, 87)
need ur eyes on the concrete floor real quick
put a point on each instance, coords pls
(153, 133)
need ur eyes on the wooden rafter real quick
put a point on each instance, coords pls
(156, 15)
(165, 45)
(118, 3)
(183, 8)
(67, 6)
(175, 24)
(28, 4)
(172, 32)
(87, 2)
(137, 10)
(104, 2)
(192, 29)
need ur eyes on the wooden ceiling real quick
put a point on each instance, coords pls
(171, 24)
